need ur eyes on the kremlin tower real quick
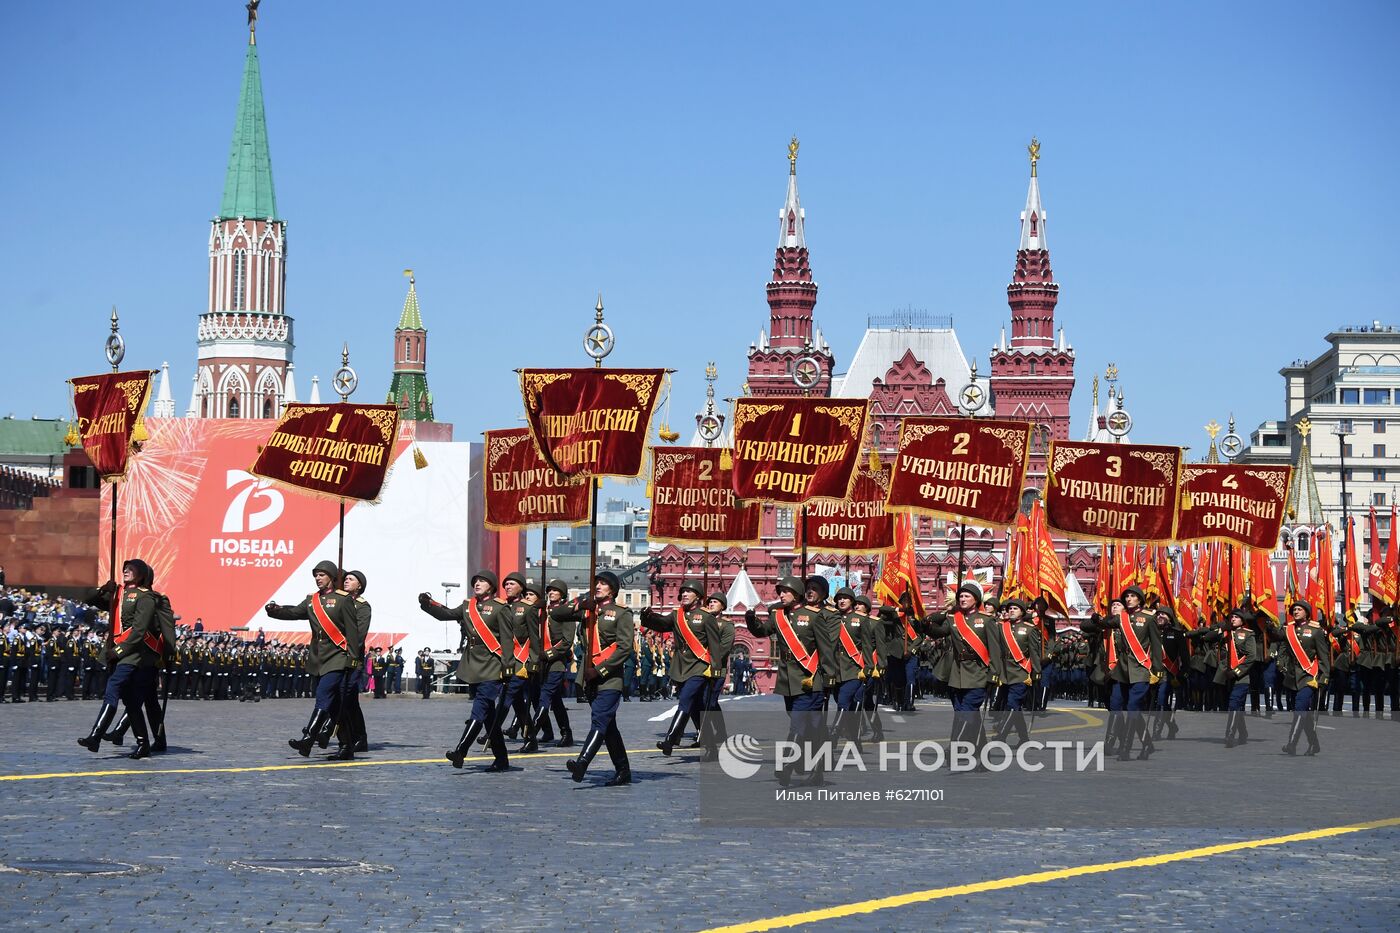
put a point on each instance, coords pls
(1033, 376)
(245, 336)
(409, 388)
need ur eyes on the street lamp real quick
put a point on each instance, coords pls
(1343, 430)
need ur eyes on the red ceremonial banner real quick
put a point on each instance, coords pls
(339, 451)
(1120, 492)
(857, 524)
(591, 421)
(693, 501)
(969, 469)
(795, 449)
(1233, 502)
(109, 410)
(523, 491)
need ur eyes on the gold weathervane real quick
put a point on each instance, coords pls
(792, 156)
(1034, 150)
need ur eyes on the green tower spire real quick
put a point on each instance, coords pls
(248, 188)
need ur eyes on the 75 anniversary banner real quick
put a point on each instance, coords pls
(1233, 502)
(1113, 491)
(693, 501)
(523, 491)
(339, 451)
(591, 421)
(795, 449)
(965, 468)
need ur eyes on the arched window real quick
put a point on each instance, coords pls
(267, 406)
(1303, 542)
(233, 409)
(240, 278)
(877, 432)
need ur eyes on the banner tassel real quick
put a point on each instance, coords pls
(726, 459)
(419, 461)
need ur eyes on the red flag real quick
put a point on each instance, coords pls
(1050, 573)
(1391, 574)
(900, 573)
(1324, 576)
(1125, 567)
(1236, 580)
(1103, 582)
(1187, 609)
(1352, 584)
(1375, 568)
(1262, 584)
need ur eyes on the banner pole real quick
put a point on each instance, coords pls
(345, 382)
(340, 552)
(112, 564)
(544, 554)
(706, 573)
(804, 544)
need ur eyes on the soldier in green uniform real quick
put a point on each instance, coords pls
(556, 650)
(487, 633)
(844, 668)
(1017, 666)
(353, 716)
(802, 640)
(1305, 664)
(871, 634)
(525, 655)
(1176, 655)
(720, 639)
(135, 650)
(331, 614)
(1239, 650)
(973, 641)
(690, 659)
(608, 633)
(1133, 654)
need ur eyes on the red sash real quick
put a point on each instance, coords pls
(483, 631)
(1125, 623)
(808, 660)
(599, 652)
(544, 631)
(969, 635)
(1170, 665)
(849, 644)
(1017, 655)
(1234, 655)
(1309, 666)
(908, 629)
(323, 619)
(691, 642)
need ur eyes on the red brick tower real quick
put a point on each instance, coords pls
(1033, 377)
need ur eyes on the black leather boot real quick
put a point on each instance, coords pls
(143, 741)
(566, 739)
(319, 718)
(673, 733)
(117, 734)
(617, 752)
(591, 744)
(464, 744)
(104, 718)
(1230, 729)
(1294, 732)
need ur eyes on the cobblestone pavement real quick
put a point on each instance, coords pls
(438, 849)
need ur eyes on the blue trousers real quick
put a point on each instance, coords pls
(1016, 696)
(129, 685)
(605, 706)
(805, 711)
(1131, 697)
(328, 689)
(484, 705)
(1238, 694)
(552, 691)
(690, 699)
(1303, 699)
(714, 689)
(968, 700)
(848, 694)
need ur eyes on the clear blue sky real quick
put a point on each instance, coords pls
(1220, 180)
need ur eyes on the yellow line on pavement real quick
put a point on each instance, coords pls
(137, 769)
(1016, 881)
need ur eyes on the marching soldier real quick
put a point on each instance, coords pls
(1239, 652)
(1176, 654)
(608, 639)
(845, 667)
(134, 648)
(802, 640)
(1133, 655)
(556, 650)
(720, 638)
(331, 615)
(1305, 662)
(352, 715)
(973, 640)
(525, 652)
(1018, 666)
(487, 631)
(690, 660)
(871, 629)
